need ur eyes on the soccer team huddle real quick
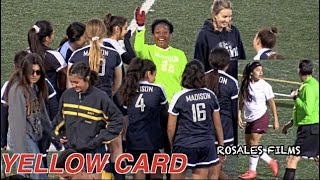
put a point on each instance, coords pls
(81, 99)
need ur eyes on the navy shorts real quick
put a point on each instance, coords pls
(117, 101)
(136, 154)
(199, 157)
(260, 125)
(308, 140)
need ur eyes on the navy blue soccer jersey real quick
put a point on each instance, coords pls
(66, 50)
(108, 42)
(194, 109)
(144, 131)
(228, 92)
(111, 44)
(3, 90)
(111, 61)
(53, 63)
(263, 54)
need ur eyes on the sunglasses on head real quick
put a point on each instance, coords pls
(38, 72)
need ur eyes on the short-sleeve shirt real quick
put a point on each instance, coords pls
(112, 60)
(66, 50)
(261, 92)
(144, 130)
(194, 109)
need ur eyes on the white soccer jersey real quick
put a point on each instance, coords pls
(261, 92)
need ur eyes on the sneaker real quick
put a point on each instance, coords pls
(274, 166)
(249, 175)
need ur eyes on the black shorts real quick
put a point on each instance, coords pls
(225, 144)
(198, 157)
(308, 140)
(136, 154)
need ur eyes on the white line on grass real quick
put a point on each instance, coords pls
(280, 94)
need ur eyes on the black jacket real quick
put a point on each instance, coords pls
(90, 119)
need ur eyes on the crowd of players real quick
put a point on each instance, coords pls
(80, 97)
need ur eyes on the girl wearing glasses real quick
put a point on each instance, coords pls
(28, 117)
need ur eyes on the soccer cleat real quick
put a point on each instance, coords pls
(250, 174)
(274, 166)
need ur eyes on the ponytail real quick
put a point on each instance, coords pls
(131, 81)
(112, 21)
(107, 23)
(95, 54)
(37, 34)
(212, 81)
(245, 80)
(95, 31)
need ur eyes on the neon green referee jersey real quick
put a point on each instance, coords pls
(306, 108)
(169, 62)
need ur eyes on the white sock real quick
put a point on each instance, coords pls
(266, 157)
(253, 162)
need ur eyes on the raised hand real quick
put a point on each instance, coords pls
(140, 16)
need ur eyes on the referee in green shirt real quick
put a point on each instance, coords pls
(306, 117)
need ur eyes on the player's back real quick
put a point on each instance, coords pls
(111, 61)
(194, 109)
(144, 118)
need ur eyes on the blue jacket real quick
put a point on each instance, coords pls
(208, 39)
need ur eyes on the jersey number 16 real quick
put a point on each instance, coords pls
(199, 112)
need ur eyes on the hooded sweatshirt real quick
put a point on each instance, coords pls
(208, 39)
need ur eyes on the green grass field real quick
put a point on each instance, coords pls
(298, 37)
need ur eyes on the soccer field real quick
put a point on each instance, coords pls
(298, 38)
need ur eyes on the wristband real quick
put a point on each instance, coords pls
(140, 28)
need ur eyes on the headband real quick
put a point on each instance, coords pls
(251, 66)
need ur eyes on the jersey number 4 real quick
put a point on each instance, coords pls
(199, 112)
(140, 103)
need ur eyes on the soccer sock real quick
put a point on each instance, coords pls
(253, 162)
(266, 157)
(289, 174)
(45, 160)
(106, 175)
(117, 175)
